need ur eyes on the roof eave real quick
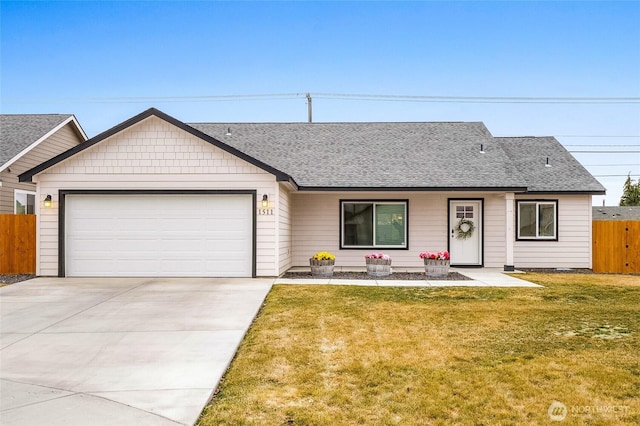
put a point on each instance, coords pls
(26, 176)
(412, 188)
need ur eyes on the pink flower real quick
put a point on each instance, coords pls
(441, 255)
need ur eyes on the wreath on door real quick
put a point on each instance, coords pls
(464, 229)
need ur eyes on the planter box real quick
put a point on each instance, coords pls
(435, 268)
(322, 268)
(378, 267)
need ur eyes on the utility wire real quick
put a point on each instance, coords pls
(348, 96)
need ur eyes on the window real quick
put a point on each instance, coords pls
(25, 202)
(374, 224)
(537, 220)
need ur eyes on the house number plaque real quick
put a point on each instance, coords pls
(265, 212)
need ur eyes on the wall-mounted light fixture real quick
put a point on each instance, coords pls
(48, 202)
(265, 201)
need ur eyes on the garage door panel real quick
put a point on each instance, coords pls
(159, 235)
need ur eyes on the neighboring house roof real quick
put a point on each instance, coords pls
(20, 133)
(616, 213)
(563, 174)
(382, 156)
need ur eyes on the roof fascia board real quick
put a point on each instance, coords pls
(26, 176)
(409, 189)
(569, 192)
(70, 119)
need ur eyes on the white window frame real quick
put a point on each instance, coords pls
(22, 191)
(404, 203)
(538, 237)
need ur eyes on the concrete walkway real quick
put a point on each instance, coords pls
(119, 351)
(481, 277)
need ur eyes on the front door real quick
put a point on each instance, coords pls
(465, 232)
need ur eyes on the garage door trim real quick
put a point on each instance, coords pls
(64, 192)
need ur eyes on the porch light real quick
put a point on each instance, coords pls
(47, 202)
(265, 201)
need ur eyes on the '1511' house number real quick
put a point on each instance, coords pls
(265, 212)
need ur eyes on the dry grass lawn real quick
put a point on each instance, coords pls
(348, 355)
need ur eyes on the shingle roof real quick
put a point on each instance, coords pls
(375, 155)
(18, 131)
(616, 213)
(383, 156)
(564, 174)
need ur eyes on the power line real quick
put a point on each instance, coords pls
(605, 152)
(597, 136)
(611, 165)
(479, 99)
(343, 96)
(616, 146)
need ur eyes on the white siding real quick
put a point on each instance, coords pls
(285, 232)
(316, 222)
(573, 248)
(154, 154)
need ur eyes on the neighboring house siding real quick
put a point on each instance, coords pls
(60, 141)
(285, 243)
(573, 248)
(154, 154)
(316, 222)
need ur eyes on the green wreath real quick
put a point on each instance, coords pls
(460, 233)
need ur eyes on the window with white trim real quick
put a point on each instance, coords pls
(373, 224)
(537, 220)
(24, 202)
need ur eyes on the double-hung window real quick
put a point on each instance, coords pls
(537, 220)
(374, 224)
(24, 202)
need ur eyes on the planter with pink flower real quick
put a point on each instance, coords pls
(378, 264)
(436, 264)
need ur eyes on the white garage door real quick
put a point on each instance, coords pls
(158, 235)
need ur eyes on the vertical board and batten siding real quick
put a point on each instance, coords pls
(154, 155)
(62, 140)
(283, 212)
(573, 248)
(616, 246)
(17, 244)
(316, 226)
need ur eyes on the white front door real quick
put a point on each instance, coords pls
(465, 232)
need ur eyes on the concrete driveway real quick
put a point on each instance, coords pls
(119, 350)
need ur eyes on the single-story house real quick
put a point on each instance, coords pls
(154, 196)
(27, 140)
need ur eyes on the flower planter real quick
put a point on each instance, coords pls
(322, 268)
(435, 268)
(378, 267)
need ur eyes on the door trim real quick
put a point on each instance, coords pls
(481, 200)
(62, 193)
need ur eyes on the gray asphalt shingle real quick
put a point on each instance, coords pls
(405, 155)
(18, 131)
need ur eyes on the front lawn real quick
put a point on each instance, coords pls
(373, 355)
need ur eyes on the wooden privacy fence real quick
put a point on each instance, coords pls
(17, 244)
(616, 246)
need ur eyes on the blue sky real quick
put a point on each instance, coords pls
(104, 61)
